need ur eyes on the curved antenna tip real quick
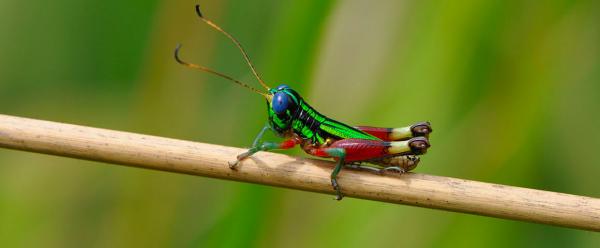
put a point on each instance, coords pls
(202, 68)
(177, 54)
(239, 46)
(198, 11)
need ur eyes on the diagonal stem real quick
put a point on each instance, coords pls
(208, 160)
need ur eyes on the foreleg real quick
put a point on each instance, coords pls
(257, 146)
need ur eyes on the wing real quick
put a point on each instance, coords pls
(342, 131)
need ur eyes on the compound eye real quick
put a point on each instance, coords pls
(280, 102)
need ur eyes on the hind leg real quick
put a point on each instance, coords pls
(397, 164)
(360, 166)
(338, 154)
(357, 150)
(420, 129)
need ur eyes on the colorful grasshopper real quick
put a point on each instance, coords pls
(290, 117)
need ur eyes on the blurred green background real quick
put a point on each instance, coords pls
(512, 89)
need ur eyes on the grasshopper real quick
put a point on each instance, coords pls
(293, 119)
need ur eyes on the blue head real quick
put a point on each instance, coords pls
(281, 107)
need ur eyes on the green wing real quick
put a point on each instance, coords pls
(344, 131)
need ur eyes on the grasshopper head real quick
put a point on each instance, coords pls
(282, 103)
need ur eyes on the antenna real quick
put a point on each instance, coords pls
(236, 42)
(206, 69)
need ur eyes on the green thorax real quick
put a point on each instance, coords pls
(288, 112)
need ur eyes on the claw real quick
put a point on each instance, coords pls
(421, 129)
(419, 145)
(233, 164)
(336, 187)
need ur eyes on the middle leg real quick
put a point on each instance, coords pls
(339, 154)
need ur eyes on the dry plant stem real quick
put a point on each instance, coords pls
(200, 159)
